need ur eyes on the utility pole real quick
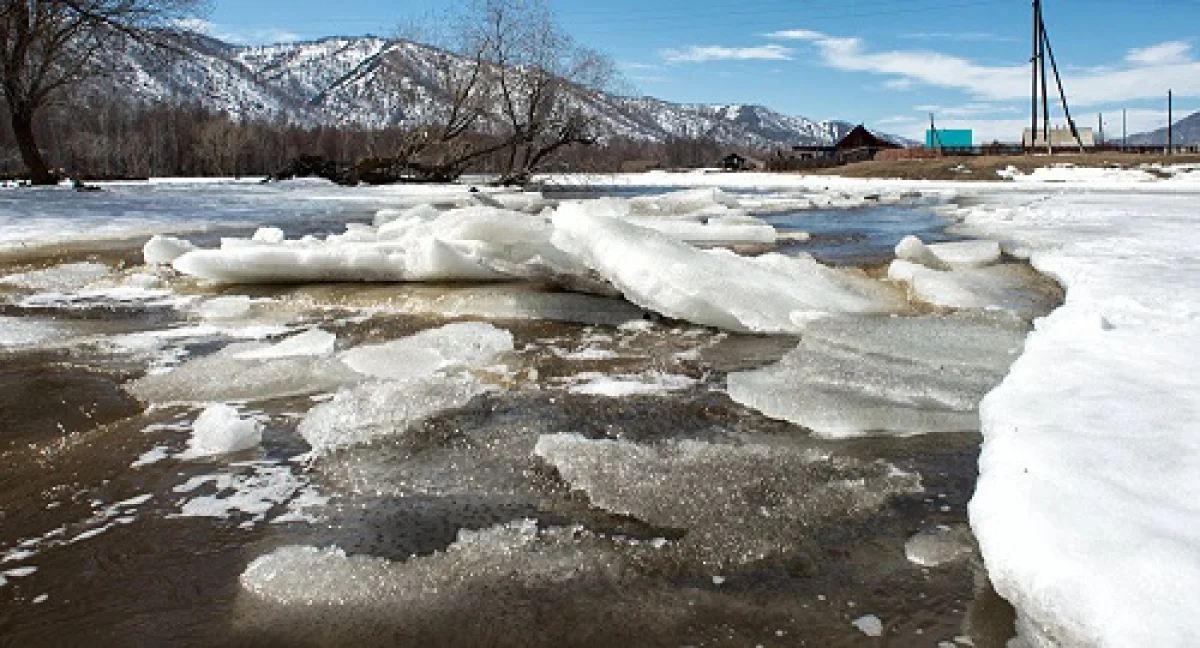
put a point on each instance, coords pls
(1100, 119)
(935, 138)
(1124, 128)
(1036, 60)
(1041, 50)
(1170, 122)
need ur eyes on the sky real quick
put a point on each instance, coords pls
(884, 63)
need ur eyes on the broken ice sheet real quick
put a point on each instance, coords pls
(737, 503)
(885, 375)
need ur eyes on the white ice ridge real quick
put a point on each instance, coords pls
(899, 376)
(770, 293)
(700, 216)
(1089, 492)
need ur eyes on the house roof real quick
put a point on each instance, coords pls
(860, 137)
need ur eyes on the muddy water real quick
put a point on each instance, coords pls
(102, 542)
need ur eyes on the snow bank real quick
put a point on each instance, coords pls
(770, 293)
(899, 376)
(1089, 486)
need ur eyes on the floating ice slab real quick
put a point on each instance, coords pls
(450, 348)
(884, 375)
(379, 409)
(770, 293)
(594, 384)
(235, 374)
(738, 504)
(225, 308)
(64, 278)
(314, 342)
(220, 430)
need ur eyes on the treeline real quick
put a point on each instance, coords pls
(103, 138)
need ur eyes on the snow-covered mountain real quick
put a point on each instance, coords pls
(339, 81)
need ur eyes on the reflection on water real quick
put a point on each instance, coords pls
(864, 236)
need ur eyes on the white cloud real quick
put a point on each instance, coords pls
(1146, 73)
(1169, 53)
(258, 36)
(797, 34)
(704, 54)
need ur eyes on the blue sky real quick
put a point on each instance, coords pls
(885, 63)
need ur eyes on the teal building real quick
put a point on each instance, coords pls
(946, 138)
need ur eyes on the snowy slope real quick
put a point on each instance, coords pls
(341, 81)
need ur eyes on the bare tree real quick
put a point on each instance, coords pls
(50, 46)
(512, 87)
(542, 79)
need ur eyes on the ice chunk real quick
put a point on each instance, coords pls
(479, 571)
(771, 293)
(163, 250)
(229, 375)
(225, 308)
(870, 625)
(1012, 288)
(738, 504)
(268, 235)
(313, 342)
(911, 249)
(378, 409)
(594, 384)
(66, 278)
(939, 545)
(449, 348)
(220, 430)
(884, 375)
(966, 254)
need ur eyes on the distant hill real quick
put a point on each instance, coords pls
(337, 82)
(1187, 133)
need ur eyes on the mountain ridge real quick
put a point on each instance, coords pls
(337, 81)
(1187, 133)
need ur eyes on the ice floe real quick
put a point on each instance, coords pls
(449, 348)
(885, 375)
(738, 504)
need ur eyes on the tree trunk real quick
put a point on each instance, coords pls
(35, 164)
